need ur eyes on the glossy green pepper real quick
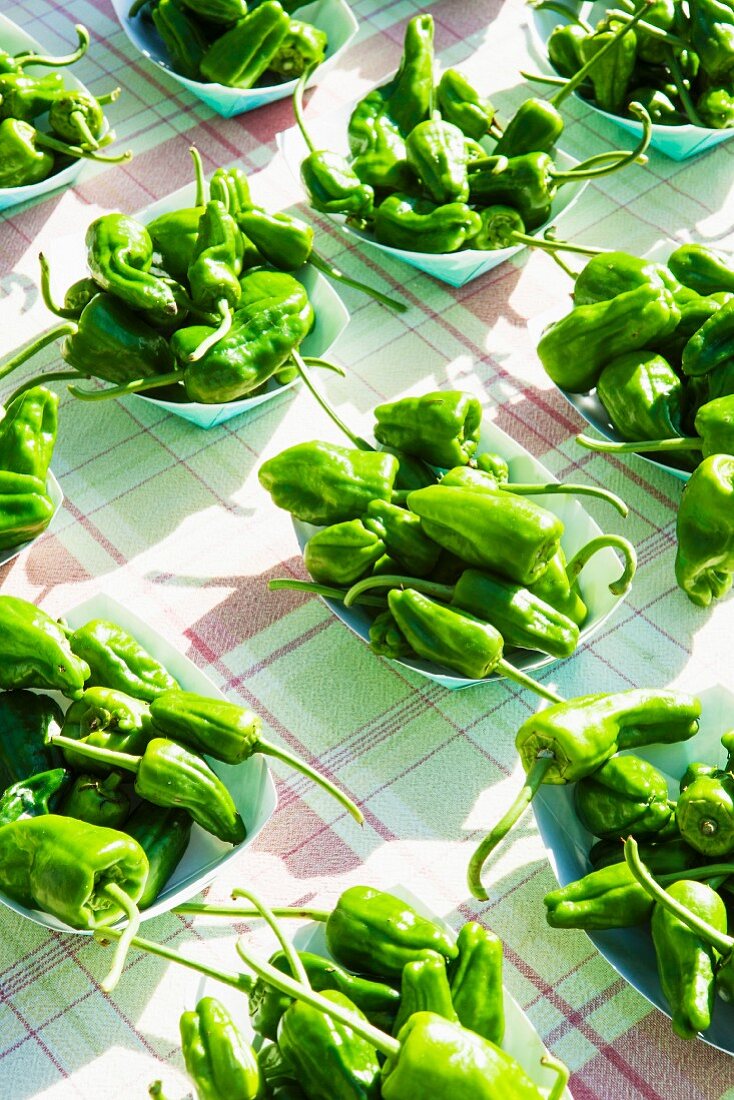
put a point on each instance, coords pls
(216, 262)
(704, 561)
(402, 536)
(625, 795)
(662, 854)
(25, 719)
(564, 48)
(97, 801)
(174, 236)
(476, 982)
(642, 395)
(462, 105)
(343, 552)
(119, 255)
(574, 350)
(323, 483)
(712, 345)
(118, 661)
(163, 833)
(218, 11)
(83, 874)
(561, 591)
(183, 37)
(218, 1060)
(612, 75)
(32, 796)
(714, 421)
(240, 56)
(436, 152)
(712, 37)
(386, 640)
(168, 774)
(440, 427)
(715, 108)
(34, 651)
(705, 814)
(303, 47)
(25, 97)
(28, 432)
(606, 898)
(77, 116)
(424, 987)
(703, 269)
(115, 344)
(107, 719)
(419, 225)
(23, 163)
(609, 274)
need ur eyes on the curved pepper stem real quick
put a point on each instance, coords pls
(44, 379)
(384, 1043)
(321, 264)
(563, 1074)
(69, 328)
(556, 488)
(302, 368)
(292, 912)
(667, 37)
(550, 245)
(564, 10)
(200, 197)
(115, 759)
(533, 781)
(683, 94)
(583, 171)
(295, 762)
(723, 944)
(294, 959)
(47, 295)
(391, 580)
(225, 324)
(279, 583)
(48, 142)
(137, 386)
(31, 58)
(298, 104)
(583, 556)
(132, 913)
(608, 446)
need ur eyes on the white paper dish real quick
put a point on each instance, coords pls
(676, 142)
(57, 498)
(456, 268)
(521, 1039)
(15, 40)
(335, 17)
(250, 783)
(630, 950)
(69, 255)
(579, 528)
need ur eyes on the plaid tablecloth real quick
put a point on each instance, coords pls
(171, 520)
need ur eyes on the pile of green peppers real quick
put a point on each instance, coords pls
(27, 437)
(75, 125)
(400, 1010)
(431, 170)
(235, 44)
(678, 62)
(656, 341)
(75, 840)
(687, 845)
(471, 562)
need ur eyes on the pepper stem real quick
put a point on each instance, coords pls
(650, 29)
(137, 386)
(20, 357)
(580, 76)
(42, 380)
(563, 1074)
(533, 780)
(378, 1039)
(105, 756)
(561, 9)
(555, 488)
(303, 913)
(200, 198)
(109, 97)
(388, 580)
(80, 122)
(549, 245)
(683, 94)
(608, 446)
(301, 766)
(302, 368)
(319, 590)
(723, 944)
(625, 158)
(47, 295)
(45, 140)
(243, 982)
(333, 272)
(30, 58)
(294, 959)
(219, 333)
(131, 911)
(582, 557)
(510, 672)
(298, 104)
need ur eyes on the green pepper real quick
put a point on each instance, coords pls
(323, 483)
(626, 795)
(703, 269)
(28, 433)
(163, 833)
(463, 106)
(218, 11)
(118, 661)
(342, 552)
(174, 237)
(606, 898)
(711, 30)
(25, 508)
(705, 814)
(612, 75)
(419, 225)
(440, 427)
(227, 732)
(25, 719)
(660, 107)
(119, 255)
(84, 875)
(476, 982)
(11, 63)
(506, 534)
(218, 1060)
(107, 719)
(303, 47)
(564, 48)
(609, 274)
(711, 345)
(26, 97)
(575, 349)
(34, 651)
(662, 854)
(559, 590)
(168, 774)
(77, 116)
(115, 344)
(30, 797)
(216, 261)
(436, 152)
(714, 422)
(240, 56)
(97, 801)
(184, 38)
(704, 561)
(424, 987)
(570, 740)
(23, 163)
(378, 1002)
(402, 536)
(386, 640)
(642, 395)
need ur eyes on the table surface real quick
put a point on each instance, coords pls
(171, 520)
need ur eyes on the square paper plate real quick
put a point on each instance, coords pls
(250, 783)
(15, 40)
(579, 528)
(676, 142)
(332, 16)
(69, 255)
(456, 268)
(521, 1040)
(630, 950)
(57, 498)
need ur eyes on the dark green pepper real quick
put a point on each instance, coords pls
(611, 76)
(419, 225)
(26, 97)
(32, 796)
(402, 535)
(386, 639)
(712, 37)
(183, 37)
(703, 269)
(463, 106)
(642, 395)
(25, 720)
(218, 11)
(163, 833)
(97, 801)
(119, 255)
(559, 590)
(240, 56)
(711, 345)
(436, 152)
(476, 982)
(626, 795)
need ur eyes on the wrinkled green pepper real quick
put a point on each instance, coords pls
(440, 427)
(705, 814)
(437, 154)
(163, 833)
(218, 1060)
(626, 795)
(32, 796)
(34, 651)
(303, 47)
(332, 1061)
(119, 256)
(402, 536)
(642, 395)
(118, 661)
(420, 225)
(463, 106)
(107, 719)
(704, 561)
(240, 56)
(424, 987)
(97, 801)
(476, 982)
(703, 269)
(183, 37)
(342, 552)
